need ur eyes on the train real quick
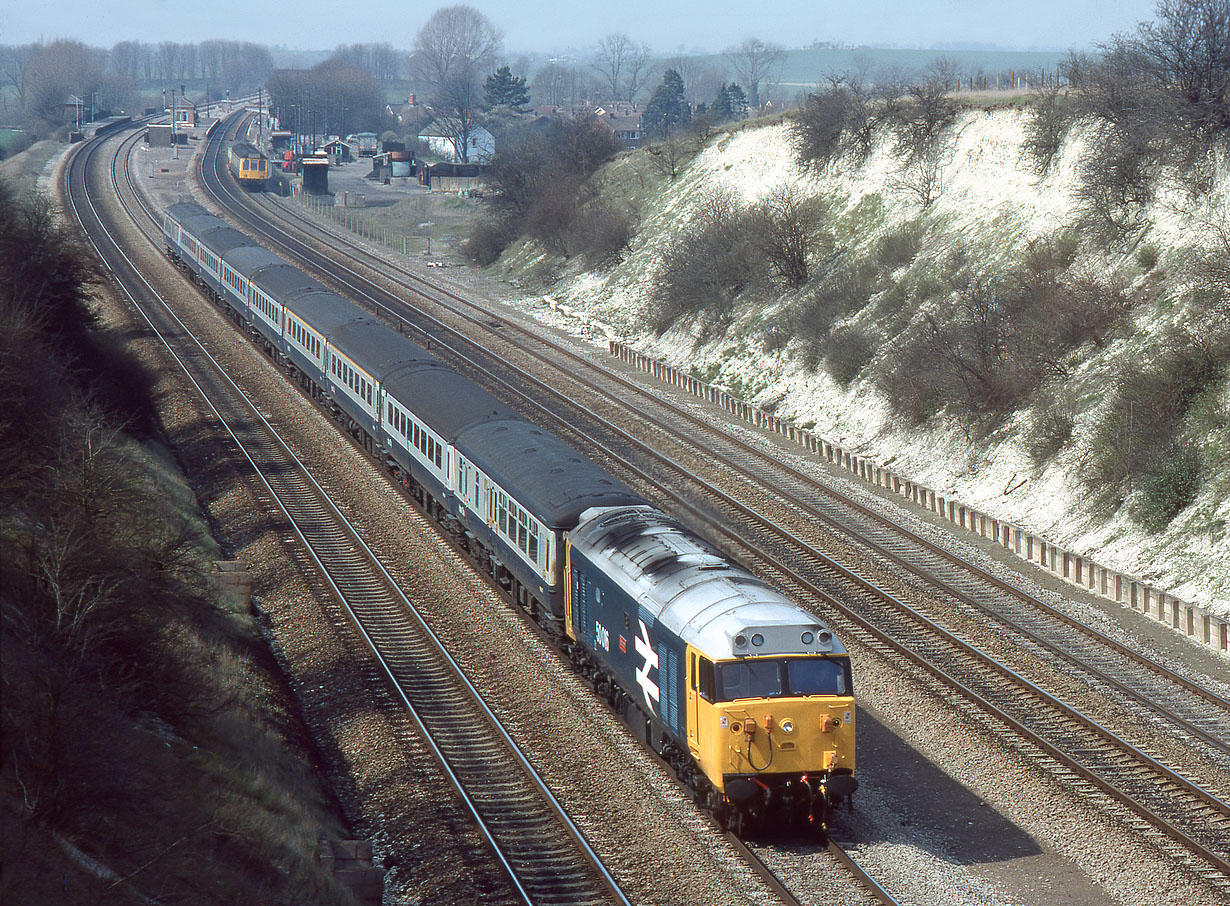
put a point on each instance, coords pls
(747, 696)
(249, 165)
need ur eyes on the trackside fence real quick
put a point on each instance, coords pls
(1192, 621)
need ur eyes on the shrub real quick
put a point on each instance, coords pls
(1135, 437)
(704, 271)
(602, 234)
(488, 239)
(789, 226)
(1168, 485)
(1046, 127)
(847, 352)
(1116, 184)
(1147, 257)
(1051, 429)
(539, 180)
(832, 122)
(898, 247)
(993, 341)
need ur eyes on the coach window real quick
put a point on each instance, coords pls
(439, 457)
(534, 543)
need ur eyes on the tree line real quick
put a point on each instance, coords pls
(39, 78)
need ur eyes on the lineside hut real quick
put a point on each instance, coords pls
(316, 175)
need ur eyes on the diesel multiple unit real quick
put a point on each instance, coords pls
(250, 166)
(746, 695)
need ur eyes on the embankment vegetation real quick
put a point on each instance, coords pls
(147, 749)
(1103, 341)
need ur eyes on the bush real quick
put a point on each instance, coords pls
(847, 352)
(602, 234)
(1147, 257)
(710, 265)
(1133, 445)
(1168, 485)
(898, 247)
(1051, 430)
(1049, 119)
(488, 239)
(538, 182)
(832, 122)
(1116, 182)
(986, 348)
(790, 228)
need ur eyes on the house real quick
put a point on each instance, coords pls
(406, 112)
(626, 124)
(441, 137)
(183, 112)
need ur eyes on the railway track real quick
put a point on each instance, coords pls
(547, 859)
(1192, 820)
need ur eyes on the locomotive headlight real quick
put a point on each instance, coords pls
(740, 641)
(787, 725)
(757, 640)
(807, 638)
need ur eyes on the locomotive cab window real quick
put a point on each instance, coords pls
(764, 678)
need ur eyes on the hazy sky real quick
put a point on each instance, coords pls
(554, 25)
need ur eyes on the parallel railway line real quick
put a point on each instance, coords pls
(1196, 819)
(546, 857)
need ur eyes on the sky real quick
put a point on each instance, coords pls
(550, 26)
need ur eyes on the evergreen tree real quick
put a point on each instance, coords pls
(720, 110)
(667, 110)
(738, 101)
(503, 89)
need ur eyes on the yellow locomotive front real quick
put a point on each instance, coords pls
(774, 735)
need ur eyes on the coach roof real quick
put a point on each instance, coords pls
(281, 281)
(442, 399)
(377, 349)
(184, 209)
(545, 475)
(323, 310)
(250, 258)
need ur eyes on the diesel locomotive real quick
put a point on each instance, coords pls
(746, 695)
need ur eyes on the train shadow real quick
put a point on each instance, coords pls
(904, 798)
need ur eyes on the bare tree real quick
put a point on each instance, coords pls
(560, 85)
(457, 40)
(789, 225)
(609, 62)
(55, 71)
(211, 54)
(13, 63)
(701, 81)
(622, 65)
(668, 156)
(166, 59)
(754, 62)
(452, 52)
(947, 71)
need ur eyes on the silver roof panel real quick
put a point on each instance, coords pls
(693, 590)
